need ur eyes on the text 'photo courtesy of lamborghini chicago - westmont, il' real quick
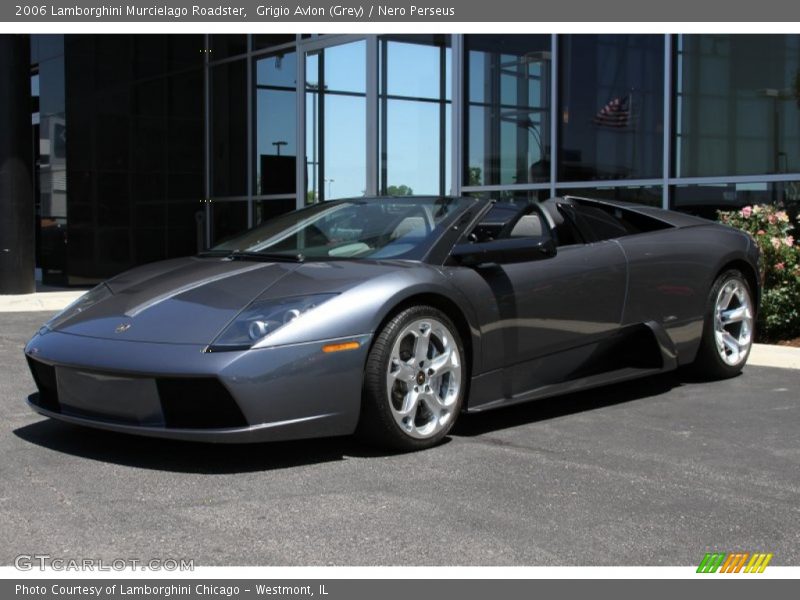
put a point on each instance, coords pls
(388, 317)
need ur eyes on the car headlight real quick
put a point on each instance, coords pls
(263, 318)
(89, 299)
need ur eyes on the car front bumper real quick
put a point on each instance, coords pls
(179, 391)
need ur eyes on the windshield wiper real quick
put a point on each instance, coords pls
(266, 256)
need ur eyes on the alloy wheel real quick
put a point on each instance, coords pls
(423, 378)
(733, 322)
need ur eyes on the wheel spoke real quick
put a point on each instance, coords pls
(433, 402)
(734, 315)
(399, 371)
(730, 342)
(410, 403)
(442, 363)
(441, 401)
(422, 344)
(726, 296)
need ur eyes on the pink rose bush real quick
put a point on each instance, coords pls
(773, 231)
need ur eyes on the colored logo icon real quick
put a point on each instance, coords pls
(734, 562)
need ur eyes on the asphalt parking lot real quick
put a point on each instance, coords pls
(654, 472)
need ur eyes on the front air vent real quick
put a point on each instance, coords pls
(44, 376)
(198, 403)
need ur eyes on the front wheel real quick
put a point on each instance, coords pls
(728, 328)
(414, 382)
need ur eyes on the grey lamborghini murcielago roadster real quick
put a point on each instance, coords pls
(391, 316)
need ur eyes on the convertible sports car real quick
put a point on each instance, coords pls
(391, 316)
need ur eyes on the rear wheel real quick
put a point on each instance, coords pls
(728, 329)
(414, 381)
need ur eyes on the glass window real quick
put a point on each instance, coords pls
(149, 53)
(229, 129)
(224, 46)
(185, 51)
(263, 210)
(520, 198)
(736, 109)
(276, 124)
(50, 153)
(45, 46)
(344, 68)
(414, 104)
(416, 66)
(336, 137)
(227, 219)
(51, 85)
(265, 40)
(611, 107)
(650, 194)
(508, 109)
(706, 200)
(185, 233)
(135, 145)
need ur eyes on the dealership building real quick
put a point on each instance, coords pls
(145, 147)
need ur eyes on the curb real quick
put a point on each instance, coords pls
(766, 355)
(40, 301)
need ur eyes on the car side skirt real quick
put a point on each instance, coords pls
(635, 351)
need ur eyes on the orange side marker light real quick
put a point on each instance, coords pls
(340, 347)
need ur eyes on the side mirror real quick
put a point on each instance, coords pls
(506, 251)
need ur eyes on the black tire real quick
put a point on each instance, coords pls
(377, 423)
(709, 363)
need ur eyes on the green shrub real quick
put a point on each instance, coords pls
(772, 229)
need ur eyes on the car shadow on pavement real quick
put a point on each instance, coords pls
(188, 457)
(559, 406)
(193, 457)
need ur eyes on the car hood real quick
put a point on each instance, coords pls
(185, 301)
(191, 300)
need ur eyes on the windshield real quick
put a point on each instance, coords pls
(372, 228)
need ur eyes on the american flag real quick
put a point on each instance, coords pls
(617, 113)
